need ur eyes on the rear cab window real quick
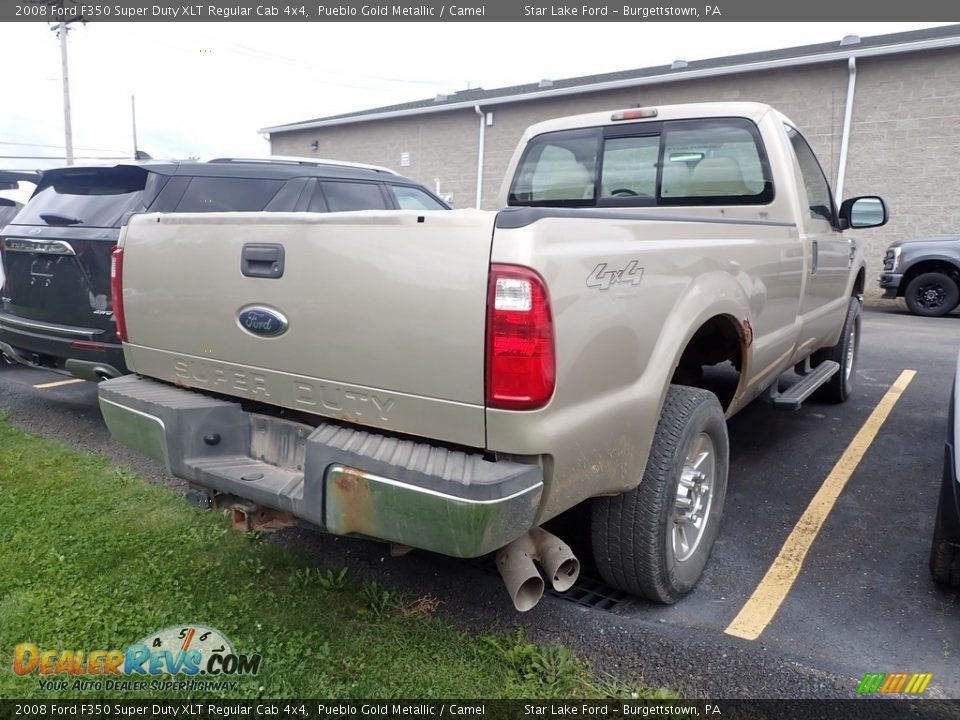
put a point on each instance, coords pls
(715, 161)
(89, 197)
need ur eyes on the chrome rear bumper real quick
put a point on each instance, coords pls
(343, 479)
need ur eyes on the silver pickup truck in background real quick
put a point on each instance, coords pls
(451, 381)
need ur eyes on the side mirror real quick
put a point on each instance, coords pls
(866, 211)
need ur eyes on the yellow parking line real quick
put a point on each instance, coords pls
(760, 609)
(58, 383)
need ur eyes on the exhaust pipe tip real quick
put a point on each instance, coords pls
(565, 575)
(520, 575)
(557, 559)
(528, 595)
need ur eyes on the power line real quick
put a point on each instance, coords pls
(320, 75)
(240, 49)
(58, 147)
(61, 157)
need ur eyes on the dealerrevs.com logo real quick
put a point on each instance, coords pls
(190, 650)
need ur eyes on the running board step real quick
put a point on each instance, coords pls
(792, 398)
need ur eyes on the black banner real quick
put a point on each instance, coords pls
(475, 11)
(868, 709)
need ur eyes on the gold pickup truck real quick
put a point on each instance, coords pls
(452, 380)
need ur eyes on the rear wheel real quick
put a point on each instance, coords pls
(932, 294)
(944, 557)
(838, 388)
(654, 541)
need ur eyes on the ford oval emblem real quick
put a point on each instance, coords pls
(262, 321)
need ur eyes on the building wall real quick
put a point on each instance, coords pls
(903, 144)
(442, 148)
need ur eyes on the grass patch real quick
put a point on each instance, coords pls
(96, 559)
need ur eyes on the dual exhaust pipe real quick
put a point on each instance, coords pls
(517, 563)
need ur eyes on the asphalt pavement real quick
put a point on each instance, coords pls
(863, 600)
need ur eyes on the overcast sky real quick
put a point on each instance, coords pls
(204, 89)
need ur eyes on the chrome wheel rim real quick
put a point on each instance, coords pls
(851, 351)
(691, 506)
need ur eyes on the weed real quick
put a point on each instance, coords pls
(378, 601)
(553, 669)
(610, 687)
(333, 581)
(254, 537)
(328, 580)
(302, 578)
(253, 566)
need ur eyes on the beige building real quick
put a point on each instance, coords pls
(882, 113)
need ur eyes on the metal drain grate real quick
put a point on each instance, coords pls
(587, 592)
(591, 593)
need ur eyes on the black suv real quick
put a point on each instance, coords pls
(56, 310)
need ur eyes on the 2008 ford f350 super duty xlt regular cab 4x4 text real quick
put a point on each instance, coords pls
(450, 381)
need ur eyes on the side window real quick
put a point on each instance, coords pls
(219, 194)
(557, 169)
(714, 162)
(343, 196)
(630, 167)
(411, 198)
(289, 197)
(818, 189)
(8, 208)
(317, 202)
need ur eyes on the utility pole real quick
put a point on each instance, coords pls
(133, 112)
(67, 125)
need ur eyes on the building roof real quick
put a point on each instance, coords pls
(850, 46)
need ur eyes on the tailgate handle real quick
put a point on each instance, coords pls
(262, 260)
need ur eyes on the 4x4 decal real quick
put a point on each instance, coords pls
(602, 279)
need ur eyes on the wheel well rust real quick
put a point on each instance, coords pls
(719, 340)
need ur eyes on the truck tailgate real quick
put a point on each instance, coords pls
(384, 310)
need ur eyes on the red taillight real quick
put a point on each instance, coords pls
(521, 363)
(4, 280)
(89, 345)
(116, 290)
(634, 114)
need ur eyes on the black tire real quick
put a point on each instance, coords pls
(932, 294)
(838, 388)
(634, 534)
(944, 557)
